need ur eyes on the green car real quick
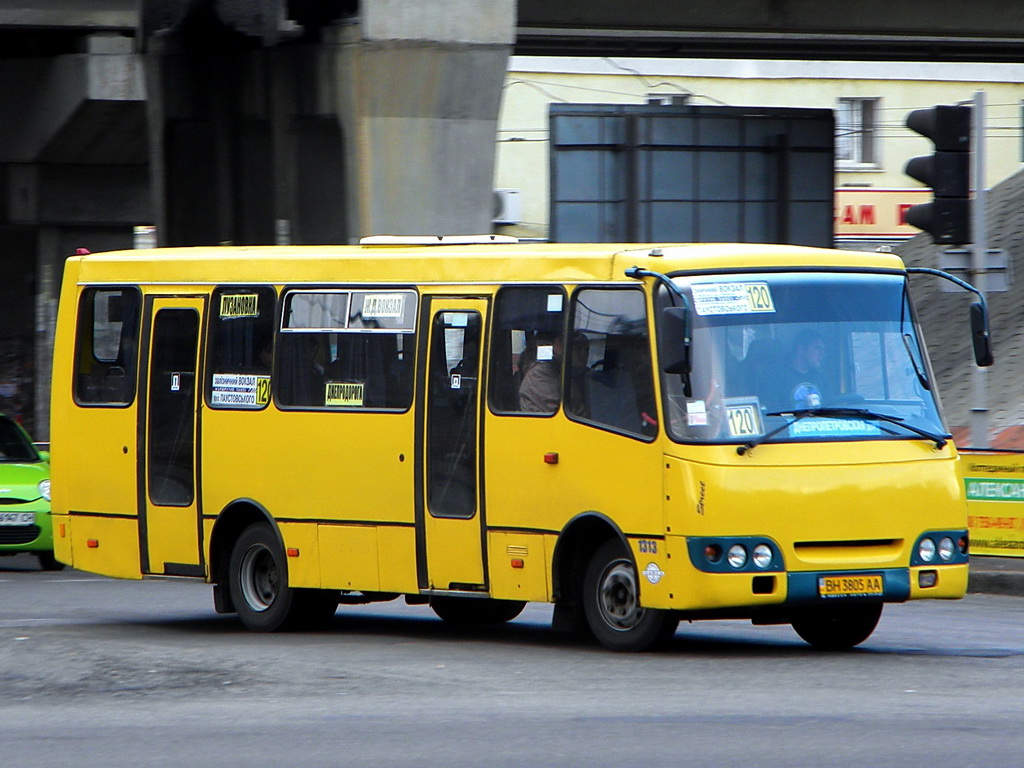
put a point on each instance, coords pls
(25, 524)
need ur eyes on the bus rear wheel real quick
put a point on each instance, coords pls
(258, 583)
(611, 603)
(475, 611)
(836, 628)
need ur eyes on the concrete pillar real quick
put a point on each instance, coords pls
(245, 147)
(49, 268)
(419, 86)
(386, 125)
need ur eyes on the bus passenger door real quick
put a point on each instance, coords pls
(169, 513)
(449, 517)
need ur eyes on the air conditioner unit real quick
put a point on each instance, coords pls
(506, 206)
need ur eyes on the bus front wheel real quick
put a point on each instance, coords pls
(611, 603)
(836, 628)
(258, 583)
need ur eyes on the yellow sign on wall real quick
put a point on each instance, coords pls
(994, 485)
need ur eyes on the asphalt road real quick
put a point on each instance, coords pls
(98, 672)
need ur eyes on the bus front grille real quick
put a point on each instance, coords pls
(851, 551)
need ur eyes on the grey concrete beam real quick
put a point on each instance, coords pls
(939, 30)
(50, 107)
(419, 88)
(119, 15)
(471, 22)
(78, 194)
(875, 17)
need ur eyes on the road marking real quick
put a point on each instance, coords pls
(10, 623)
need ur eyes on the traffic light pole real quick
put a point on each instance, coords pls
(980, 435)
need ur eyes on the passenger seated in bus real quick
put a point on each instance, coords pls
(540, 368)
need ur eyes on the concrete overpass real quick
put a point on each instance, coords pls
(930, 30)
(256, 121)
(944, 30)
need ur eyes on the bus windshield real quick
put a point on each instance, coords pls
(786, 357)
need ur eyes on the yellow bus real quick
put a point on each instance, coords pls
(637, 434)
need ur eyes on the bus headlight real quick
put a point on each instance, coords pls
(737, 556)
(926, 550)
(762, 556)
(44, 489)
(946, 549)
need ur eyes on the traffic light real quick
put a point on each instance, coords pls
(947, 171)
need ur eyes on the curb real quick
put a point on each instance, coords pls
(996, 576)
(996, 583)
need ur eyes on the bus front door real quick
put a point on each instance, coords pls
(449, 519)
(169, 514)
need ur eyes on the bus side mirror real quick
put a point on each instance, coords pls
(980, 336)
(674, 340)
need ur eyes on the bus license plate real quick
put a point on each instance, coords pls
(865, 584)
(17, 518)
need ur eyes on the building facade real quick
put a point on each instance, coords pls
(870, 99)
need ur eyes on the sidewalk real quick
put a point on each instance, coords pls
(997, 575)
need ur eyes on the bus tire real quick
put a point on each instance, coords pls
(258, 583)
(836, 628)
(611, 603)
(475, 611)
(48, 562)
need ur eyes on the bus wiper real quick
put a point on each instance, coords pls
(863, 413)
(842, 413)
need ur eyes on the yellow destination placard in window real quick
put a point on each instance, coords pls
(344, 393)
(239, 305)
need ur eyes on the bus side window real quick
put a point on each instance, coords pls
(106, 346)
(346, 349)
(301, 369)
(527, 344)
(240, 351)
(616, 388)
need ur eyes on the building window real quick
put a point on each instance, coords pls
(856, 126)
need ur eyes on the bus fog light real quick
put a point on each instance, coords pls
(946, 549)
(737, 556)
(762, 556)
(927, 579)
(926, 550)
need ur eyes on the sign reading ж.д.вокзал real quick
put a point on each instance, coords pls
(994, 484)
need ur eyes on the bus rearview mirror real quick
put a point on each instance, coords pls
(980, 336)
